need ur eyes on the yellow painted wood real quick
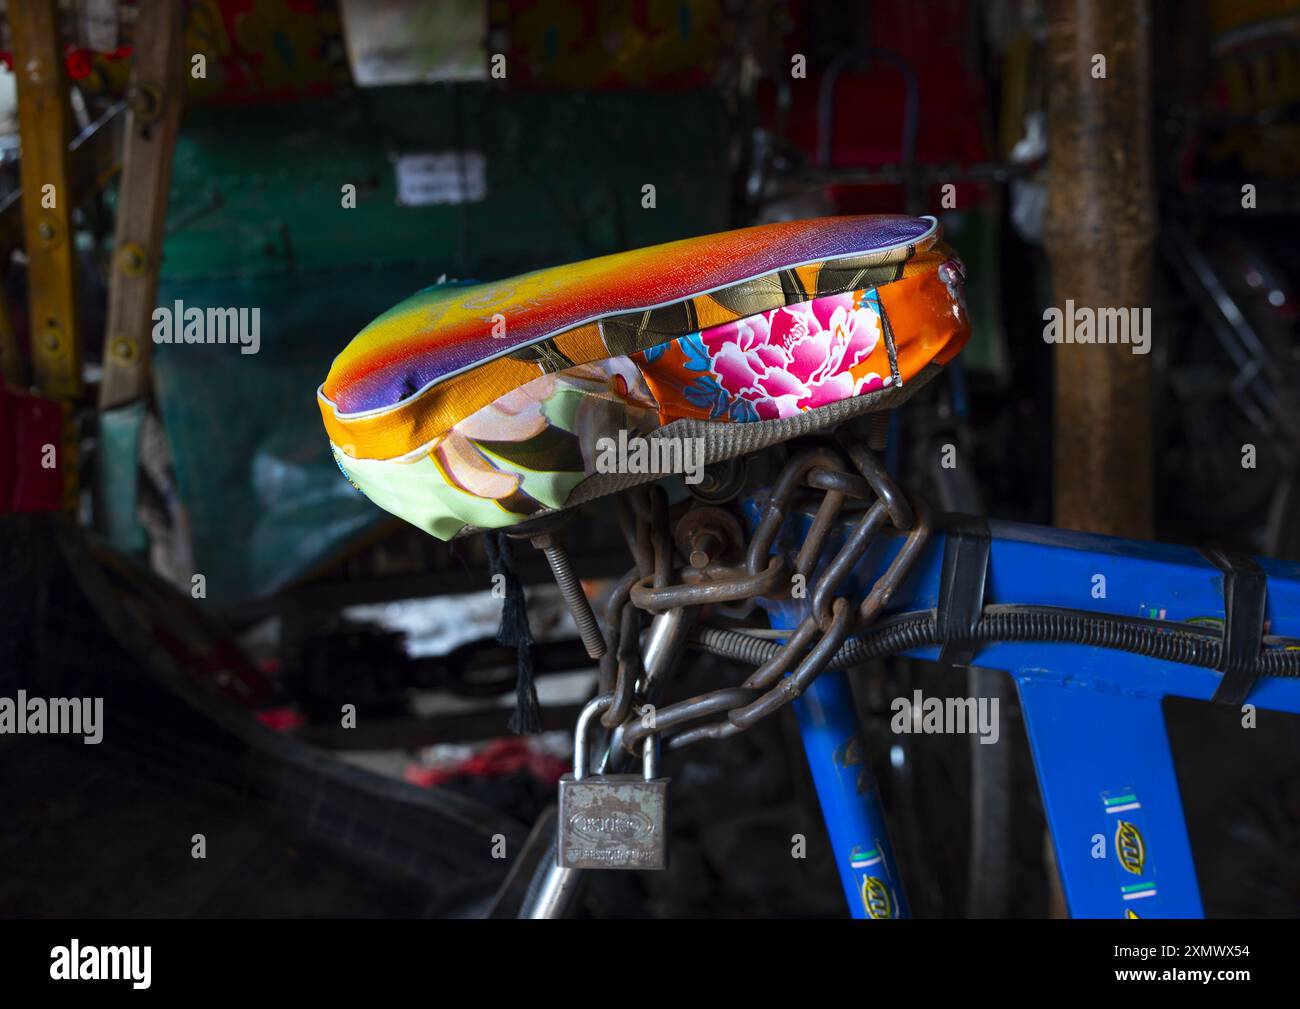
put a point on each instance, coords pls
(44, 120)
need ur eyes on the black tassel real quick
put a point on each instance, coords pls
(514, 630)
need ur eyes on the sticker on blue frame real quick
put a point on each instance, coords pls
(1127, 831)
(878, 897)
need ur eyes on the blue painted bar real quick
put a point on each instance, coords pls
(846, 788)
(1112, 800)
(850, 801)
(1093, 714)
(1042, 566)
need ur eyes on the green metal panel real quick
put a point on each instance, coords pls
(259, 189)
(265, 501)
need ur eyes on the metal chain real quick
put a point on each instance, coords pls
(762, 573)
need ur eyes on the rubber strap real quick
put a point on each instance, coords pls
(1245, 594)
(961, 586)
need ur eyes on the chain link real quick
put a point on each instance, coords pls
(761, 573)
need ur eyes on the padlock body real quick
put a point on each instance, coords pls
(613, 821)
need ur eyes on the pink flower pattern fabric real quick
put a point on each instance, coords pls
(799, 357)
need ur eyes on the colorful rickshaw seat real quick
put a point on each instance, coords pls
(472, 406)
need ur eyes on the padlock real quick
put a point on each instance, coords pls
(612, 821)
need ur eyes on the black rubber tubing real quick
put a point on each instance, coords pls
(1158, 639)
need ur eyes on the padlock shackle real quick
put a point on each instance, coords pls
(590, 710)
(650, 757)
(593, 708)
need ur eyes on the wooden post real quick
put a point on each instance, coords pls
(1099, 234)
(44, 119)
(158, 89)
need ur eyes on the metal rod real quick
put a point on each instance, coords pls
(553, 890)
(663, 643)
(571, 589)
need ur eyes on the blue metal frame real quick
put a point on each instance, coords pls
(1094, 717)
(846, 789)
